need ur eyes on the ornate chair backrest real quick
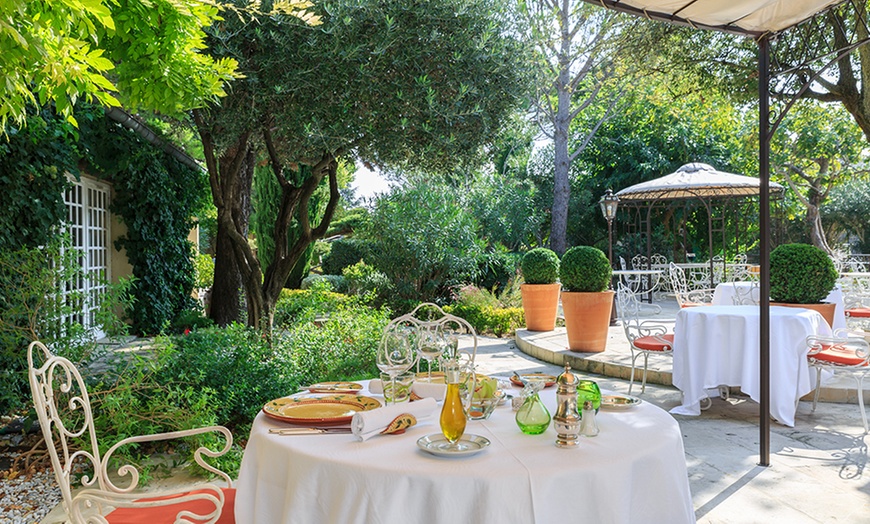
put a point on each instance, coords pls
(629, 308)
(678, 279)
(658, 260)
(622, 265)
(63, 409)
(430, 316)
(746, 296)
(640, 262)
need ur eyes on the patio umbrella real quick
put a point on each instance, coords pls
(761, 20)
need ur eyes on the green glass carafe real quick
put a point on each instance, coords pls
(533, 417)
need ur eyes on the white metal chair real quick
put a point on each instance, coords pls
(430, 316)
(63, 408)
(645, 337)
(850, 354)
(686, 297)
(746, 296)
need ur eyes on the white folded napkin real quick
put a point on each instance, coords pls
(421, 389)
(367, 424)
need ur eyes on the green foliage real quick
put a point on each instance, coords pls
(69, 51)
(366, 281)
(801, 274)
(33, 163)
(497, 268)
(488, 313)
(848, 209)
(349, 221)
(304, 305)
(31, 281)
(156, 196)
(189, 320)
(343, 253)
(425, 240)
(335, 283)
(540, 266)
(203, 267)
(115, 307)
(585, 269)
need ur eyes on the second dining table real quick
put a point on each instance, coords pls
(634, 471)
(720, 346)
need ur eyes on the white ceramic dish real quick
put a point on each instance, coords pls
(437, 444)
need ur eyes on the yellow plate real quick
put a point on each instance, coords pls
(319, 410)
(335, 387)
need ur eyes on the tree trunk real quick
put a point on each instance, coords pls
(226, 291)
(562, 165)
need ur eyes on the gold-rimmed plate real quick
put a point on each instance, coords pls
(549, 380)
(619, 402)
(321, 410)
(335, 387)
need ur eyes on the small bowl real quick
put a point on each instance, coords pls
(482, 408)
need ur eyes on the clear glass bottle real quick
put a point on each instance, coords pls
(533, 417)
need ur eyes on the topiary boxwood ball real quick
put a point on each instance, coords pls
(585, 269)
(801, 274)
(540, 266)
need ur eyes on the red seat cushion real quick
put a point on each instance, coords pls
(167, 514)
(652, 343)
(838, 355)
(858, 312)
(695, 304)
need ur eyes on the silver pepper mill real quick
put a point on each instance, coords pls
(566, 421)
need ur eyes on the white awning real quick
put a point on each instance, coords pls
(695, 180)
(750, 17)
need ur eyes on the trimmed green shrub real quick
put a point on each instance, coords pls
(540, 266)
(489, 319)
(801, 274)
(366, 281)
(304, 305)
(585, 269)
(343, 253)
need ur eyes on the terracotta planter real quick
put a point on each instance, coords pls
(540, 302)
(587, 318)
(825, 308)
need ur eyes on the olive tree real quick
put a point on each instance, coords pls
(385, 82)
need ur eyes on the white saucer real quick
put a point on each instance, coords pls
(437, 444)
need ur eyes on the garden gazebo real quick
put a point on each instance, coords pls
(694, 183)
(764, 21)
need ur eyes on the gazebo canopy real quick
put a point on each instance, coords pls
(746, 17)
(695, 180)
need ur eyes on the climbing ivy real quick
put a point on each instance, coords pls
(156, 196)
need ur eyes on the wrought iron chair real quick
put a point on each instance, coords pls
(850, 354)
(686, 297)
(746, 296)
(63, 408)
(645, 337)
(430, 316)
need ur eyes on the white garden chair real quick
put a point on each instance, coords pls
(645, 337)
(63, 408)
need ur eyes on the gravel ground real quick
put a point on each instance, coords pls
(25, 496)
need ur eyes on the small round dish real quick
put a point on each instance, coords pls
(619, 402)
(437, 444)
(549, 380)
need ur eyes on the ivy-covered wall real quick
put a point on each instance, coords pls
(156, 197)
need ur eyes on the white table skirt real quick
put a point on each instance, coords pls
(719, 346)
(634, 471)
(724, 296)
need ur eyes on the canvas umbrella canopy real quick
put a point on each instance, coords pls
(761, 20)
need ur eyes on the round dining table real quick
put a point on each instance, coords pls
(633, 471)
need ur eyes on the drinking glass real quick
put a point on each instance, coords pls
(430, 345)
(588, 390)
(395, 355)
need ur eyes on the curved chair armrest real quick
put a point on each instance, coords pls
(85, 502)
(854, 346)
(156, 437)
(700, 296)
(651, 328)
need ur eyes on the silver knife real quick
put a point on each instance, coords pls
(307, 431)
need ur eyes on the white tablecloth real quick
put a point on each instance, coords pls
(634, 471)
(719, 346)
(724, 296)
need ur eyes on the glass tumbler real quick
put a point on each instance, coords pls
(588, 390)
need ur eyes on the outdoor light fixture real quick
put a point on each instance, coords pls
(608, 205)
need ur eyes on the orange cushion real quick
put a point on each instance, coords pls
(838, 355)
(695, 304)
(651, 343)
(161, 514)
(858, 312)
